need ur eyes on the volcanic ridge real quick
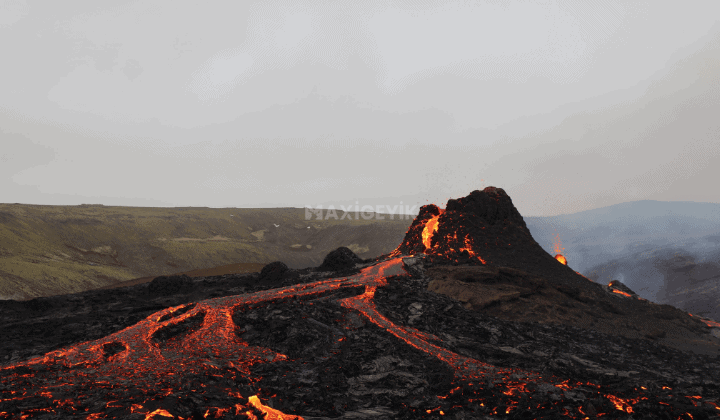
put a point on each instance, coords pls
(468, 318)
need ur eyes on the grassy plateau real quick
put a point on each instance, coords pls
(49, 250)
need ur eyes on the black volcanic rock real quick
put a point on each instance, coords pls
(340, 259)
(167, 285)
(273, 272)
(341, 364)
(39, 304)
(491, 205)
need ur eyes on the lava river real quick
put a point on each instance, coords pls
(136, 371)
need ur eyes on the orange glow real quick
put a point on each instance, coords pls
(468, 247)
(158, 412)
(271, 413)
(712, 324)
(620, 403)
(557, 245)
(430, 228)
(619, 292)
(163, 367)
(561, 258)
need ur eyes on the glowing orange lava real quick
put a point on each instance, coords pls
(271, 413)
(161, 369)
(469, 248)
(430, 228)
(710, 323)
(561, 258)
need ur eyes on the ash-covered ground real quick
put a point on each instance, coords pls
(444, 333)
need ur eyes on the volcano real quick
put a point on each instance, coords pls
(468, 318)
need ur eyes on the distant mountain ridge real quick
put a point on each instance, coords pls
(593, 236)
(666, 252)
(643, 209)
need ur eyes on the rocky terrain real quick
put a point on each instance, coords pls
(671, 275)
(668, 252)
(453, 323)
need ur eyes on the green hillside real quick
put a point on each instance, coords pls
(49, 250)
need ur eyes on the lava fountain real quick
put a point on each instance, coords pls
(561, 258)
(430, 228)
(557, 244)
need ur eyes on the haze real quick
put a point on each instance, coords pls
(568, 107)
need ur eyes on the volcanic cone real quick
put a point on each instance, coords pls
(484, 227)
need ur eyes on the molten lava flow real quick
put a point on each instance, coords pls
(561, 258)
(456, 246)
(469, 248)
(135, 359)
(158, 412)
(708, 322)
(430, 228)
(620, 292)
(270, 413)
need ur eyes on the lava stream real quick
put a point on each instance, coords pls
(135, 358)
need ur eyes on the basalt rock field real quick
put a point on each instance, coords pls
(467, 319)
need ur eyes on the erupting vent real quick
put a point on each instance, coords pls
(482, 228)
(430, 228)
(559, 249)
(561, 258)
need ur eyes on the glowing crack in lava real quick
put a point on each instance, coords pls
(134, 359)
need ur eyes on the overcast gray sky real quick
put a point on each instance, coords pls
(567, 105)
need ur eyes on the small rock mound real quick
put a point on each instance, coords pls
(273, 272)
(168, 285)
(39, 304)
(340, 259)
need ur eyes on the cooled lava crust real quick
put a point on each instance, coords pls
(368, 340)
